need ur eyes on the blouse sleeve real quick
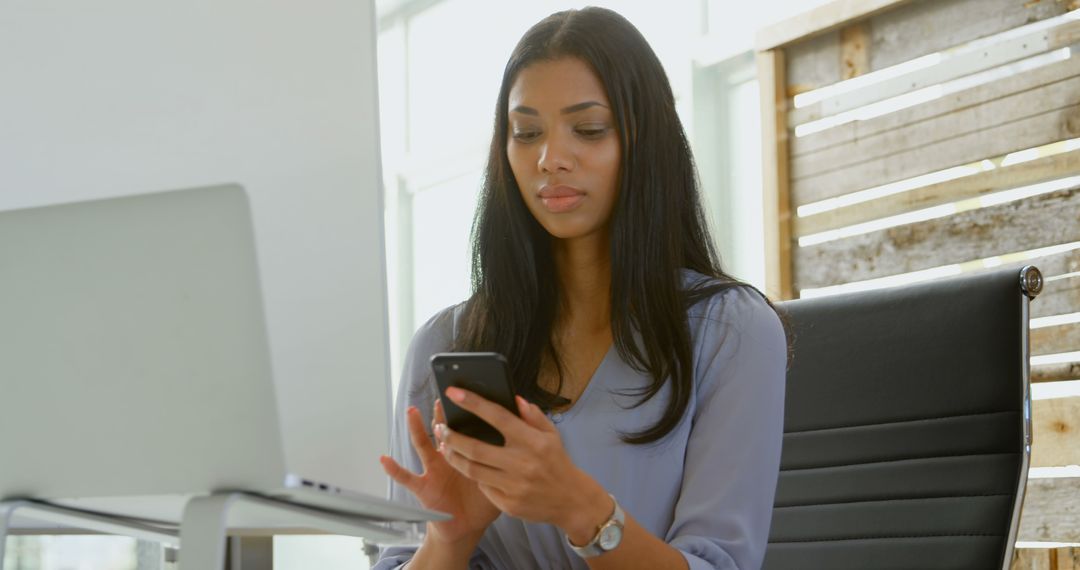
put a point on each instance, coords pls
(418, 389)
(732, 460)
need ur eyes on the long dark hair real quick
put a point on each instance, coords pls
(657, 228)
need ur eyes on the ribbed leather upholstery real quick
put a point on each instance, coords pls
(903, 427)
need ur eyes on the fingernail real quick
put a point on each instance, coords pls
(440, 430)
(455, 394)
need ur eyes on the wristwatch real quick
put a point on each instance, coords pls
(608, 535)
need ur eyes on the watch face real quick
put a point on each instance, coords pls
(610, 537)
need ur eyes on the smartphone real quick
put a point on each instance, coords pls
(483, 373)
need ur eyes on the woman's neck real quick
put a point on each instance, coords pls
(584, 272)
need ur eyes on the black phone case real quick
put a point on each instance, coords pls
(483, 373)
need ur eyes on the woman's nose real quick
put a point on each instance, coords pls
(556, 156)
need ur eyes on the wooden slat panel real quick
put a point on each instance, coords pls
(812, 63)
(1038, 221)
(1058, 264)
(822, 19)
(1053, 340)
(1019, 135)
(1055, 425)
(951, 103)
(900, 30)
(1001, 178)
(1052, 266)
(1051, 511)
(1058, 297)
(1046, 559)
(960, 64)
(973, 119)
(1055, 372)
(776, 194)
(929, 26)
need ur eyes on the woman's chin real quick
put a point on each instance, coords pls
(569, 231)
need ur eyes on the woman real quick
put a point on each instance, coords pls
(650, 383)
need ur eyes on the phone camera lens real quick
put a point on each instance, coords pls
(440, 367)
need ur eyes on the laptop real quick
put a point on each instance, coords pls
(136, 368)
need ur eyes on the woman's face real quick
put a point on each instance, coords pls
(563, 147)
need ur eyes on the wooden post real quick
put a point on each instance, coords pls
(855, 50)
(774, 163)
(1067, 558)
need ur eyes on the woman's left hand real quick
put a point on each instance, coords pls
(531, 477)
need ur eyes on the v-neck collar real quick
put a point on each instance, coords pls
(570, 412)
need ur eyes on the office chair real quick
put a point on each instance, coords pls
(907, 428)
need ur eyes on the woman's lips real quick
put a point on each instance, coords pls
(560, 199)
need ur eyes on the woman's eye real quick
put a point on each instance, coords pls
(592, 132)
(525, 136)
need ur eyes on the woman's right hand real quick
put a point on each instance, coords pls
(441, 487)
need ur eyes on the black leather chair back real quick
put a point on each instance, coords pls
(906, 428)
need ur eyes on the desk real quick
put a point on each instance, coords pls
(207, 520)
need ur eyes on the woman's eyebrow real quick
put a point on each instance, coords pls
(565, 111)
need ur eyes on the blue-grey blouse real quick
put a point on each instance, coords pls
(706, 488)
